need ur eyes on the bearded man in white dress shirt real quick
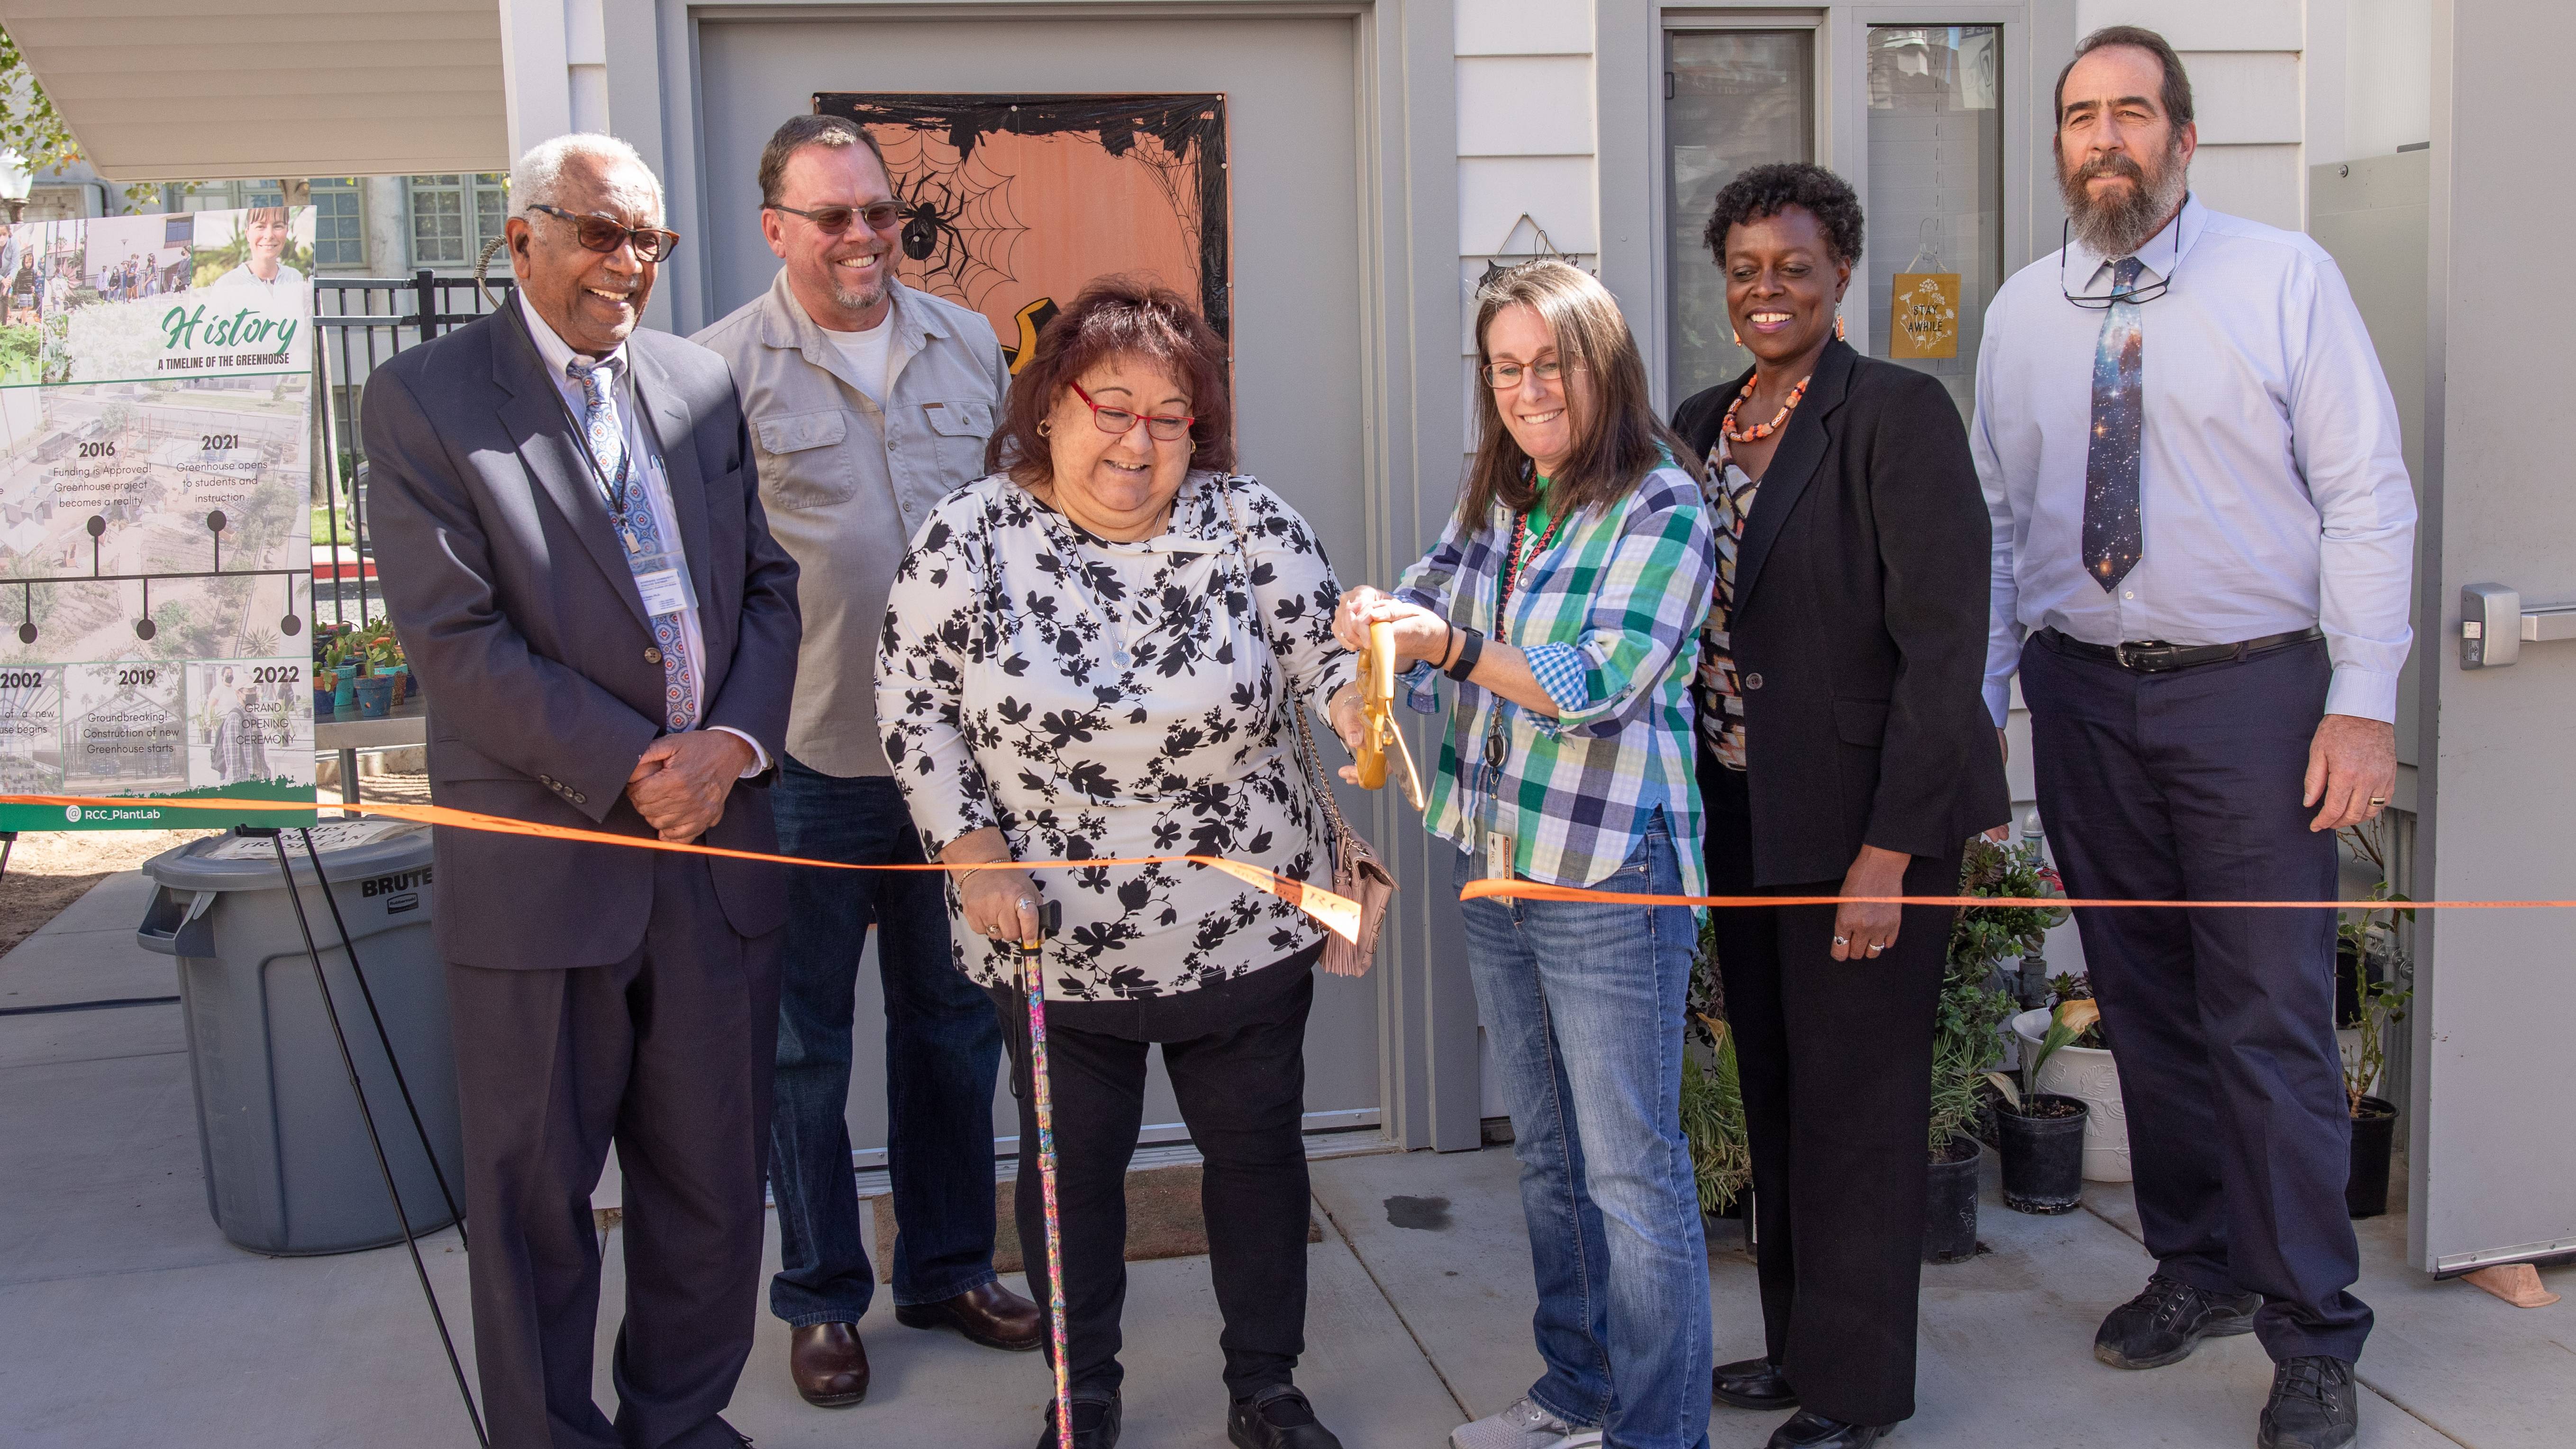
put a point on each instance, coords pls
(2203, 550)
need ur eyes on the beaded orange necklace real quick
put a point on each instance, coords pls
(1759, 431)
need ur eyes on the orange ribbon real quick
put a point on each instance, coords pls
(1338, 914)
(1530, 890)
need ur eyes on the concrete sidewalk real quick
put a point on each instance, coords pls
(126, 1319)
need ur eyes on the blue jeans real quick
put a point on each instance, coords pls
(943, 1056)
(1583, 1004)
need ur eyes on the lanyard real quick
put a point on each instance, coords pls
(1516, 561)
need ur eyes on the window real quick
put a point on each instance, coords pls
(454, 217)
(1733, 99)
(339, 212)
(1936, 197)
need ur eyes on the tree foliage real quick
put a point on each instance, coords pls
(30, 126)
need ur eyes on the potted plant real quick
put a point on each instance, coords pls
(1964, 1034)
(2041, 1134)
(2082, 1069)
(1713, 1098)
(2366, 937)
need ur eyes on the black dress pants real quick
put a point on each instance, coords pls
(1241, 1083)
(1836, 1059)
(668, 1053)
(2181, 785)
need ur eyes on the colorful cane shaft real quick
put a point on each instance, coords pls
(1032, 969)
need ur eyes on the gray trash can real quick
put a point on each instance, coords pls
(288, 1167)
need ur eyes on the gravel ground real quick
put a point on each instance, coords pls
(49, 871)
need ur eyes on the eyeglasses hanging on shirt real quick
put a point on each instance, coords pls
(2105, 301)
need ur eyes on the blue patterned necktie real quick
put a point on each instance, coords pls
(2113, 536)
(623, 488)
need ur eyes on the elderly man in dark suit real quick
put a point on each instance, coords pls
(574, 553)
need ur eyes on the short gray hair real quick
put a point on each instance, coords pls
(538, 177)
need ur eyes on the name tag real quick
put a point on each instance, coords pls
(1498, 855)
(665, 590)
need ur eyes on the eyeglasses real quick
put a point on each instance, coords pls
(606, 234)
(879, 215)
(1504, 376)
(1119, 422)
(2105, 302)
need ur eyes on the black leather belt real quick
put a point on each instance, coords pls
(2153, 656)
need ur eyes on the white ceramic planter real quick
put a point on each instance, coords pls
(2086, 1073)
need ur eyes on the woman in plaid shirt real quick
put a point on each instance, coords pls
(1566, 598)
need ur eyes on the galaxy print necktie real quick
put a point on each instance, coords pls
(2113, 539)
(637, 530)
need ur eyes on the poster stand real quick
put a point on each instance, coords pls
(375, 1140)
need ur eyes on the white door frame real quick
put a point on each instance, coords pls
(1629, 56)
(1408, 255)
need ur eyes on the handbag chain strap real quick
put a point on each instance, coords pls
(1308, 764)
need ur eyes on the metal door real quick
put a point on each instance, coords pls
(1299, 367)
(2493, 1148)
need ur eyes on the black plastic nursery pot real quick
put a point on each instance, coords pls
(1950, 1209)
(2374, 1137)
(2043, 1154)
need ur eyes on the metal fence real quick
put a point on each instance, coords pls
(359, 322)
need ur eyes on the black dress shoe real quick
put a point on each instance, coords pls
(2165, 1323)
(2314, 1405)
(1753, 1383)
(1095, 1424)
(1808, 1429)
(1278, 1417)
(991, 1315)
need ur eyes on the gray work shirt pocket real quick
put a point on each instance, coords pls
(959, 428)
(802, 462)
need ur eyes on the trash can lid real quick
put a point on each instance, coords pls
(350, 849)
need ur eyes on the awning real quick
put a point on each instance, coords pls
(205, 90)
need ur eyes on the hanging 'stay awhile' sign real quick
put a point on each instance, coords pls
(155, 540)
(1926, 315)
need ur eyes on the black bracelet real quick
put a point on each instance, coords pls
(1473, 646)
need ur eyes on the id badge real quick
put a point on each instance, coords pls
(665, 589)
(1498, 855)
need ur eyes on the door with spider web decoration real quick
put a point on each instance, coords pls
(1013, 202)
(1168, 127)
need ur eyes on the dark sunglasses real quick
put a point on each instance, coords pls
(879, 215)
(602, 234)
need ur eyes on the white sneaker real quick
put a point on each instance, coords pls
(1523, 1426)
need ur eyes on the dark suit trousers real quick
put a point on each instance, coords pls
(1836, 1060)
(669, 1053)
(2180, 786)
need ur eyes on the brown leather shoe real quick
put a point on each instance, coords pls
(992, 1315)
(829, 1364)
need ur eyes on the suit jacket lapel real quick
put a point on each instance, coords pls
(670, 425)
(536, 419)
(1793, 467)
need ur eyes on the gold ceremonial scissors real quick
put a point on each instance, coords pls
(1377, 716)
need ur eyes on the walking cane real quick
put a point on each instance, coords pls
(1033, 980)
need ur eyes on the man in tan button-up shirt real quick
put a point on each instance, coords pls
(868, 402)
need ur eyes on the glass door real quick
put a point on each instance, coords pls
(1732, 99)
(1936, 197)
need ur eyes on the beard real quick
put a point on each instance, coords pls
(2118, 224)
(859, 296)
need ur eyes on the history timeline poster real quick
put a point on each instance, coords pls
(1013, 202)
(155, 540)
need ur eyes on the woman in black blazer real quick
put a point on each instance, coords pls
(1844, 750)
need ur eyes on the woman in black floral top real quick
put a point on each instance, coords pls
(1090, 654)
